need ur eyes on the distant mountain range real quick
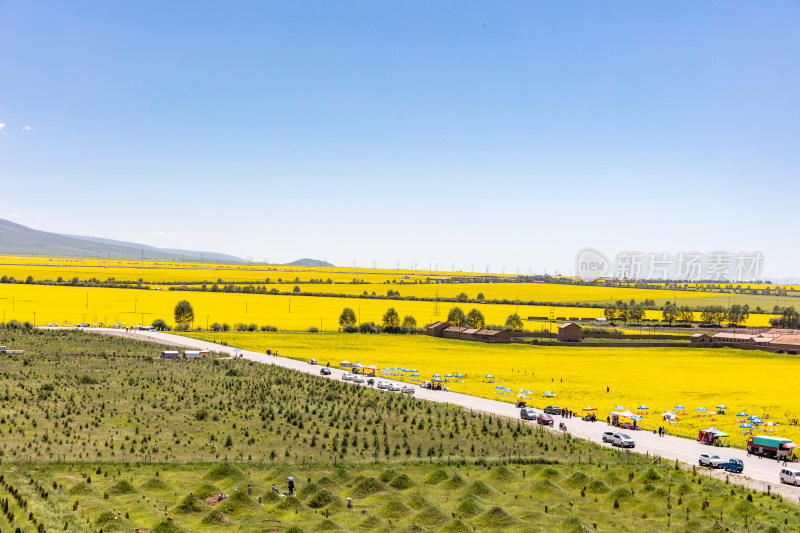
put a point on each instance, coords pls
(16, 239)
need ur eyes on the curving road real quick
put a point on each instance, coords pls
(760, 474)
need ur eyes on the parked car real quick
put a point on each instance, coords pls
(528, 413)
(710, 459)
(790, 476)
(383, 385)
(622, 440)
(407, 389)
(53, 325)
(545, 419)
(607, 436)
(325, 371)
(347, 376)
(552, 410)
(82, 325)
(312, 362)
(425, 384)
(358, 379)
(734, 466)
(394, 387)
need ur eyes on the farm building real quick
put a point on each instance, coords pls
(701, 338)
(569, 332)
(735, 337)
(436, 329)
(493, 335)
(170, 354)
(453, 332)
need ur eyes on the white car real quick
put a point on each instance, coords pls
(347, 376)
(622, 440)
(790, 476)
(358, 379)
(382, 385)
(407, 389)
(710, 459)
(394, 387)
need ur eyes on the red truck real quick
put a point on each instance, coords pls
(770, 446)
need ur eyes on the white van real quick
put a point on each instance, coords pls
(790, 476)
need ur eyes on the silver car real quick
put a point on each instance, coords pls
(347, 376)
(382, 385)
(622, 440)
(710, 459)
(790, 476)
(394, 387)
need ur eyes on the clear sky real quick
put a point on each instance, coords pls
(508, 134)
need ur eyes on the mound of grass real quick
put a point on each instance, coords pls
(435, 477)
(166, 526)
(367, 486)
(155, 484)
(393, 509)
(223, 471)
(743, 508)
(455, 482)
(577, 480)
(545, 486)
(431, 517)
(574, 525)
(327, 482)
(341, 475)
(370, 522)
(215, 518)
(323, 498)
(270, 496)
(80, 489)
(456, 526)
(289, 503)
(414, 528)
(480, 488)
(307, 490)
(402, 482)
(550, 473)
(327, 525)
(597, 486)
(621, 494)
(387, 475)
(684, 489)
(502, 474)
(417, 502)
(650, 475)
(190, 505)
(205, 490)
(122, 487)
(238, 502)
(111, 522)
(469, 507)
(495, 518)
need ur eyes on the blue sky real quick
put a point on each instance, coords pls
(508, 134)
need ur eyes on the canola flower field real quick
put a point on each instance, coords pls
(66, 305)
(659, 378)
(45, 304)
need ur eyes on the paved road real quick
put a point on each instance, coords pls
(758, 473)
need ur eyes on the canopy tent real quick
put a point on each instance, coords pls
(549, 394)
(590, 408)
(710, 435)
(371, 367)
(625, 414)
(345, 363)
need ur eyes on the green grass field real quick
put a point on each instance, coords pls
(100, 435)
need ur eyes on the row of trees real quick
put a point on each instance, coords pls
(391, 321)
(789, 319)
(634, 312)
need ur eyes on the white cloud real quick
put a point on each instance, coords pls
(28, 128)
(162, 234)
(2, 127)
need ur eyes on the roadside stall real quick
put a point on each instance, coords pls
(711, 436)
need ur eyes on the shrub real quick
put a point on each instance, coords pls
(269, 328)
(350, 328)
(313, 330)
(252, 327)
(225, 326)
(160, 324)
(216, 326)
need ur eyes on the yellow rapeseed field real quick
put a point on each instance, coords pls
(659, 378)
(43, 304)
